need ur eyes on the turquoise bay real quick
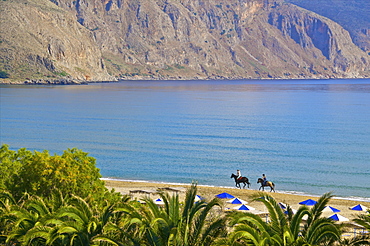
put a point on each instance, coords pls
(308, 136)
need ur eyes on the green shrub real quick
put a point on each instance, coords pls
(39, 173)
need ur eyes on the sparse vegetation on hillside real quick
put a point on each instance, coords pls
(4, 75)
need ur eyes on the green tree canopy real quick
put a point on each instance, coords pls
(39, 173)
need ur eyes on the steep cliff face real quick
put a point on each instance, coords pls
(183, 39)
(205, 38)
(312, 32)
(39, 39)
(354, 16)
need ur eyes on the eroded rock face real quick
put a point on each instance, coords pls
(313, 31)
(240, 38)
(45, 39)
(184, 39)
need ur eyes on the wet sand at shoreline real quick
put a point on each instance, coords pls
(209, 192)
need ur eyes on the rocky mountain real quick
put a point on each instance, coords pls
(41, 40)
(353, 15)
(175, 39)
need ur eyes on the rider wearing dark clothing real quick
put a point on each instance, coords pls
(264, 179)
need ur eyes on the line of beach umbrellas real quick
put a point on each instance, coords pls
(309, 202)
(335, 216)
(241, 205)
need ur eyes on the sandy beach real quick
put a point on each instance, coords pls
(209, 192)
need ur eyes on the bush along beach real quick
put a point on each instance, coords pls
(61, 200)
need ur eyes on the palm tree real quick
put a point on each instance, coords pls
(361, 239)
(80, 224)
(187, 224)
(28, 215)
(282, 229)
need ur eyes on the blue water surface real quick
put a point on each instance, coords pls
(309, 136)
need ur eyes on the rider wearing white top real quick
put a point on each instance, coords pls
(239, 174)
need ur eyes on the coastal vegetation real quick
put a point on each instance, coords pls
(60, 200)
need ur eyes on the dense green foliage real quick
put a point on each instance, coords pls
(43, 202)
(39, 173)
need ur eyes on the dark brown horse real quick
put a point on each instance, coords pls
(243, 180)
(268, 183)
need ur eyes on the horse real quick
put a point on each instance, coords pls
(268, 183)
(243, 180)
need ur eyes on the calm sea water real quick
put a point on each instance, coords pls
(307, 136)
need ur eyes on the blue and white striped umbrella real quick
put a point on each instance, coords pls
(359, 207)
(330, 209)
(237, 201)
(244, 207)
(338, 217)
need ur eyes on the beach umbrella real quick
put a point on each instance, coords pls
(198, 198)
(237, 201)
(308, 202)
(225, 196)
(338, 217)
(244, 207)
(294, 211)
(283, 205)
(330, 209)
(359, 207)
(159, 201)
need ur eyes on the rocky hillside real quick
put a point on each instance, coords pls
(353, 15)
(41, 40)
(177, 39)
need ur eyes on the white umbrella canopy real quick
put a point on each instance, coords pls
(159, 202)
(294, 211)
(330, 209)
(283, 205)
(198, 198)
(237, 201)
(338, 217)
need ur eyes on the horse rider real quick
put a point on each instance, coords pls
(264, 179)
(239, 174)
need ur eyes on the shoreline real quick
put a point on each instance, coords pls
(294, 193)
(209, 192)
(72, 81)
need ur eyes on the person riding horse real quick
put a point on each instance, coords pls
(239, 174)
(264, 179)
(239, 180)
(264, 182)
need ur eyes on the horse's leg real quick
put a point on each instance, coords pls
(244, 185)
